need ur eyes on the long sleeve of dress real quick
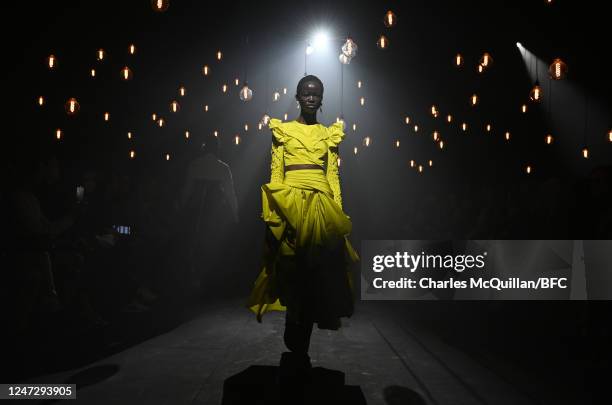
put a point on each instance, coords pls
(277, 163)
(277, 168)
(333, 174)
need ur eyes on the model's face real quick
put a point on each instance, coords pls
(310, 96)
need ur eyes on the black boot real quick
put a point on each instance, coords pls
(295, 366)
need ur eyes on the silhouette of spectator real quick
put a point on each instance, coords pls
(208, 206)
(599, 203)
(33, 234)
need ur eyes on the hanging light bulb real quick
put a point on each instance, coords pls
(160, 122)
(436, 136)
(246, 127)
(224, 88)
(339, 161)
(449, 118)
(72, 106)
(284, 90)
(536, 93)
(58, 134)
(362, 101)
(549, 139)
(407, 120)
(355, 150)
(367, 141)
(345, 60)
(175, 106)
(259, 126)
(182, 91)
(585, 152)
(132, 154)
(219, 55)
(286, 116)
(434, 110)
(51, 61)
(524, 108)
(430, 163)
(557, 69)
(412, 163)
(359, 84)
(420, 169)
(160, 5)
(92, 72)
(486, 60)
(216, 134)
(167, 156)
(126, 73)
(132, 49)
(205, 70)
(416, 128)
(40, 100)
(488, 127)
(265, 120)
(275, 96)
(458, 60)
(349, 49)
(480, 68)
(382, 42)
(464, 127)
(106, 116)
(528, 169)
(236, 81)
(246, 94)
(101, 54)
(129, 135)
(154, 117)
(237, 140)
(206, 108)
(187, 134)
(441, 144)
(354, 127)
(507, 136)
(474, 100)
(397, 143)
(610, 135)
(390, 19)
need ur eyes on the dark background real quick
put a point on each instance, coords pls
(476, 189)
(405, 80)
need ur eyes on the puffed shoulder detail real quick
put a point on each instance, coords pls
(276, 126)
(336, 133)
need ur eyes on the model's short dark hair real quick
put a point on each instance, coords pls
(309, 78)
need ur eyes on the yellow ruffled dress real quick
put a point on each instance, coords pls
(307, 258)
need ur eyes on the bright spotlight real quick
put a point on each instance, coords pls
(320, 40)
(518, 44)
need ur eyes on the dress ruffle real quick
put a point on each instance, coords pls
(333, 135)
(307, 263)
(336, 133)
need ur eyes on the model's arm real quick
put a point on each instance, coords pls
(277, 164)
(333, 174)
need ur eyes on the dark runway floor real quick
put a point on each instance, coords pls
(385, 355)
